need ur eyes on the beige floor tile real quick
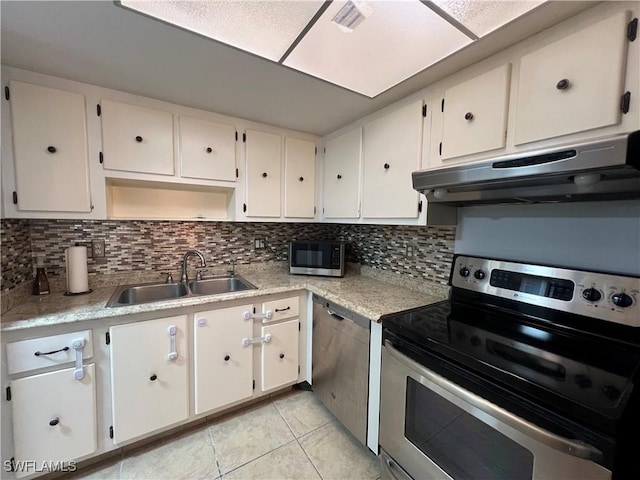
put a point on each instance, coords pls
(336, 454)
(101, 471)
(248, 435)
(188, 456)
(286, 462)
(303, 412)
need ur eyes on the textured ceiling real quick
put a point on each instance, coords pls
(100, 43)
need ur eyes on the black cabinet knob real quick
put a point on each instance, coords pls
(264, 175)
(138, 139)
(386, 166)
(301, 179)
(54, 421)
(209, 149)
(339, 176)
(227, 358)
(281, 356)
(153, 377)
(51, 149)
(468, 116)
(563, 84)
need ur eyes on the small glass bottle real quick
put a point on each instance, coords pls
(41, 284)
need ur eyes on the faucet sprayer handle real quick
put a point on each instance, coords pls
(199, 273)
(169, 278)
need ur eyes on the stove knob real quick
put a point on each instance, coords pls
(591, 295)
(464, 272)
(479, 274)
(583, 381)
(475, 341)
(611, 392)
(622, 300)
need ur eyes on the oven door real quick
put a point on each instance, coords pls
(435, 429)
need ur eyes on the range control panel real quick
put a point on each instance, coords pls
(607, 297)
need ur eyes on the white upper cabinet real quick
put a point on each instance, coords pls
(475, 114)
(341, 185)
(573, 84)
(299, 178)
(207, 150)
(137, 139)
(392, 150)
(264, 160)
(50, 149)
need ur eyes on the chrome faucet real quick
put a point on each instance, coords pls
(203, 263)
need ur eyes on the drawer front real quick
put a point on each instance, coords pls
(284, 308)
(27, 355)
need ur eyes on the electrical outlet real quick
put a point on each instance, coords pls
(259, 244)
(97, 248)
(408, 252)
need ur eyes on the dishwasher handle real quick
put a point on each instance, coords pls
(334, 314)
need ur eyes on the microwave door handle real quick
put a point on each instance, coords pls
(575, 448)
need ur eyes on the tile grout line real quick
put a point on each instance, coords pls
(215, 455)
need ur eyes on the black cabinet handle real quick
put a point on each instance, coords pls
(281, 355)
(563, 84)
(54, 421)
(52, 149)
(227, 358)
(264, 175)
(138, 139)
(301, 179)
(153, 377)
(283, 309)
(468, 116)
(38, 353)
(339, 176)
(386, 166)
(209, 149)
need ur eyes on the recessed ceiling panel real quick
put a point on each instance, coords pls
(372, 50)
(265, 28)
(485, 16)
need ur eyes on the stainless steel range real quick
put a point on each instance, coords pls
(526, 372)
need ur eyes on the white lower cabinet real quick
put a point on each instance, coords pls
(223, 366)
(54, 417)
(149, 376)
(279, 356)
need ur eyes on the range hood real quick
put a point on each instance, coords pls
(603, 169)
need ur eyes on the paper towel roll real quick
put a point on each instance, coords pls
(77, 275)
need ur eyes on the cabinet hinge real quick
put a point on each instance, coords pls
(111, 431)
(298, 369)
(244, 138)
(101, 158)
(254, 384)
(237, 173)
(632, 30)
(440, 148)
(8, 394)
(107, 338)
(98, 109)
(323, 210)
(7, 95)
(625, 102)
(314, 210)
(299, 326)
(12, 464)
(15, 197)
(236, 135)
(244, 207)
(420, 206)
(316, 150)
(254, 309)
(324, 150)
(442, 106)
(424, 110)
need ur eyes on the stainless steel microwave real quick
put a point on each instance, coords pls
(325, 258)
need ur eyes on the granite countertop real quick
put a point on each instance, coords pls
(366, 293)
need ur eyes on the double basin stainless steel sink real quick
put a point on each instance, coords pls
(156, 292)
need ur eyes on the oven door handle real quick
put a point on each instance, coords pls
(575, 448)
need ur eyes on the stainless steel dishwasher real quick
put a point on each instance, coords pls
(341, 364)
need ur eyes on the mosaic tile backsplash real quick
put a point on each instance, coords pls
(158, 245)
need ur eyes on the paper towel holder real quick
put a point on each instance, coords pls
(85, 292)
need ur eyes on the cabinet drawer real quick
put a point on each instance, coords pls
(21, 356)
(284, 308)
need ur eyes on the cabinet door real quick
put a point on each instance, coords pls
(280, 355)
(50, 149)
(264, 153)
(148, 389)
(392, 148)
(207, 150)
(574, 84)
(475, 114)
(299, 178)
(54, 416)
(341, 195)
(137, 139)
(223, 366)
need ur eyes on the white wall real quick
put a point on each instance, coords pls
(602, 236)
